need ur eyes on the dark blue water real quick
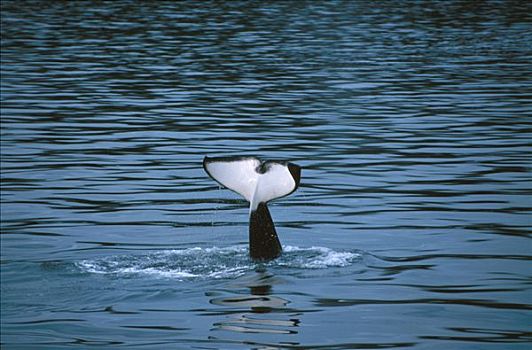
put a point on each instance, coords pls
(411, 228)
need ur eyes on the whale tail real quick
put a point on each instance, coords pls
(258, 182)
(264, 243)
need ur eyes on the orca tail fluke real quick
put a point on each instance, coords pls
(258, 182)
(264, 244)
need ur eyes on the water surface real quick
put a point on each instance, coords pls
(411, 228)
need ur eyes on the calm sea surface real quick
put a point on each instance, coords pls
(412, 122)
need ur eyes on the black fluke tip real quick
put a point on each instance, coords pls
(295, 171)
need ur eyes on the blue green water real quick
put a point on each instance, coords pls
(411, 227)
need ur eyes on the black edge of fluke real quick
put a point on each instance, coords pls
(205, 160)
(295, 171)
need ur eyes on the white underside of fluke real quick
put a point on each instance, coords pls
(243, 176)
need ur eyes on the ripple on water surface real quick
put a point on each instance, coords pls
(215, 263)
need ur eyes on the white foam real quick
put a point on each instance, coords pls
(214, 262)
(319, 257)
(89, 266)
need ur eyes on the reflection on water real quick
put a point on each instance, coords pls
(243, 310)
(411, 227)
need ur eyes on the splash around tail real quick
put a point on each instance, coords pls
(258, 182)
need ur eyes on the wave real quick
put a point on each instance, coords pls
(215, 263)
